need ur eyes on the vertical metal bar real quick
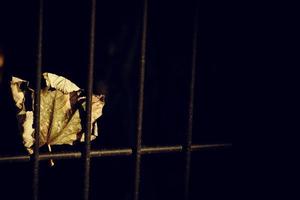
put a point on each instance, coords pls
(89, 89)
(37, 97)
(188, 142)
(137, 149)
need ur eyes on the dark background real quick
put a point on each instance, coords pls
(168, 65)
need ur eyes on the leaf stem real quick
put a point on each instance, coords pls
(51, 160)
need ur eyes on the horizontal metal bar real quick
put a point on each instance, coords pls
(111, 152)
(197, 147)
(95, 153)
(23, 158)
(61, 155)
(162, 149)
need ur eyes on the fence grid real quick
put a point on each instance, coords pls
(138, 150)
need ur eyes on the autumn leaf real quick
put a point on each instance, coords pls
(61, 109)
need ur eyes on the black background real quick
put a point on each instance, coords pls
(168, 65)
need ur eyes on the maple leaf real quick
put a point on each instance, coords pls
(61, 109)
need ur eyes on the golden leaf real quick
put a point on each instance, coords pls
(60, 112)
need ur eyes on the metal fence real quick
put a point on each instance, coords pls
(137, 151)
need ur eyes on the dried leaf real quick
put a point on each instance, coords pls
(61, 110)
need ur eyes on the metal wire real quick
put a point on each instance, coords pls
(112, 152)
(37, 98)
(198, 147)
(89, 90)
(137, 150)
(165, 149)
(188, 143)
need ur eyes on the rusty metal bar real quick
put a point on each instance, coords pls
(112, 152)
(138, 140)
(22, 158)
(162, 149)
(89, 90)
(77, 155)
(188, 142)
(37, 98)
(198, 147)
